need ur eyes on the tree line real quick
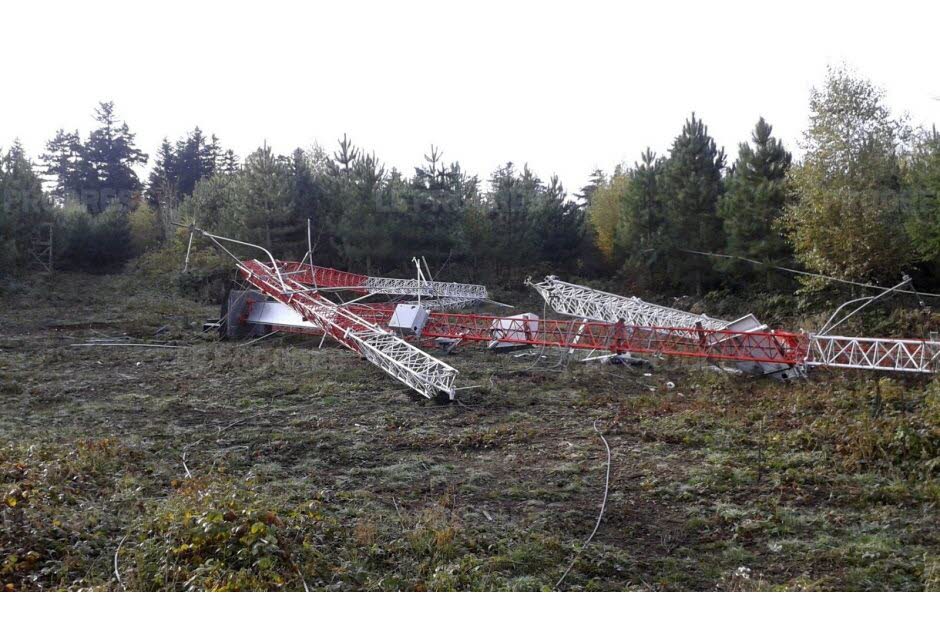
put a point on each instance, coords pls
(862, 204)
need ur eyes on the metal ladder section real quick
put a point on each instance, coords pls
(581, 301)
(421, 372)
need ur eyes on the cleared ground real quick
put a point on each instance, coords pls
(281, 466)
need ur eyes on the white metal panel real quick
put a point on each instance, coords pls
(277, 314)
(408, 319)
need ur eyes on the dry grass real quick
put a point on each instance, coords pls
(310, 467)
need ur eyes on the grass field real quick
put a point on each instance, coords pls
(282, 466)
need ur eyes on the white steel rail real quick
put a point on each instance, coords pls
(581, 301)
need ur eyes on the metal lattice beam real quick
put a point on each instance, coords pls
(402, 286)
(401, 360)
(441, 294)
(581, 301)
(921, 356)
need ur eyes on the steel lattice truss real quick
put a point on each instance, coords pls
(357, 327)
(439, 294)
(759, 347)
(921, 356)
(608, 322)
(581, 301)
(764, 347)
(403, 361)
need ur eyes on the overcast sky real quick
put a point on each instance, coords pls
(566, 87)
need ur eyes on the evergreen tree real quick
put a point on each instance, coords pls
(756, 192)
(345, 157)
(214, 205)
(196, 159)
(638, 238)
(65, 163)
(559, 228)
(431, 209)
(474, 238)
(96, 243)
(598, 179)
(512, 200)
(164, 177)
(228, 163)
(211, 156)
(181, 166)
(23, 205)
(305, 196)
(363, 238)
(692, 185)
(111, 153)
(263, 209)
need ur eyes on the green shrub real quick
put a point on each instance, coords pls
(95, 243)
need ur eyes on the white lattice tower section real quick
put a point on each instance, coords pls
(455, 291)
(922, 356)
(406, 363)
(581, 301)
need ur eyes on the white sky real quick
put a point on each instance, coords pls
(566, 87)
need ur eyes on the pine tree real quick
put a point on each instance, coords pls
(164, 177)
(305, 197)
(228, 162)
(64, 163)
(692, 185)
(431, 208)
(211, 156)
(263, 207)
(23, 205)
(638, 238)
(558, 225)
(512, 200)
(757, 190)
(346, 156)
(195, 160)
(214, 205)
(112, 154)
(361, 223)
(598, 179)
